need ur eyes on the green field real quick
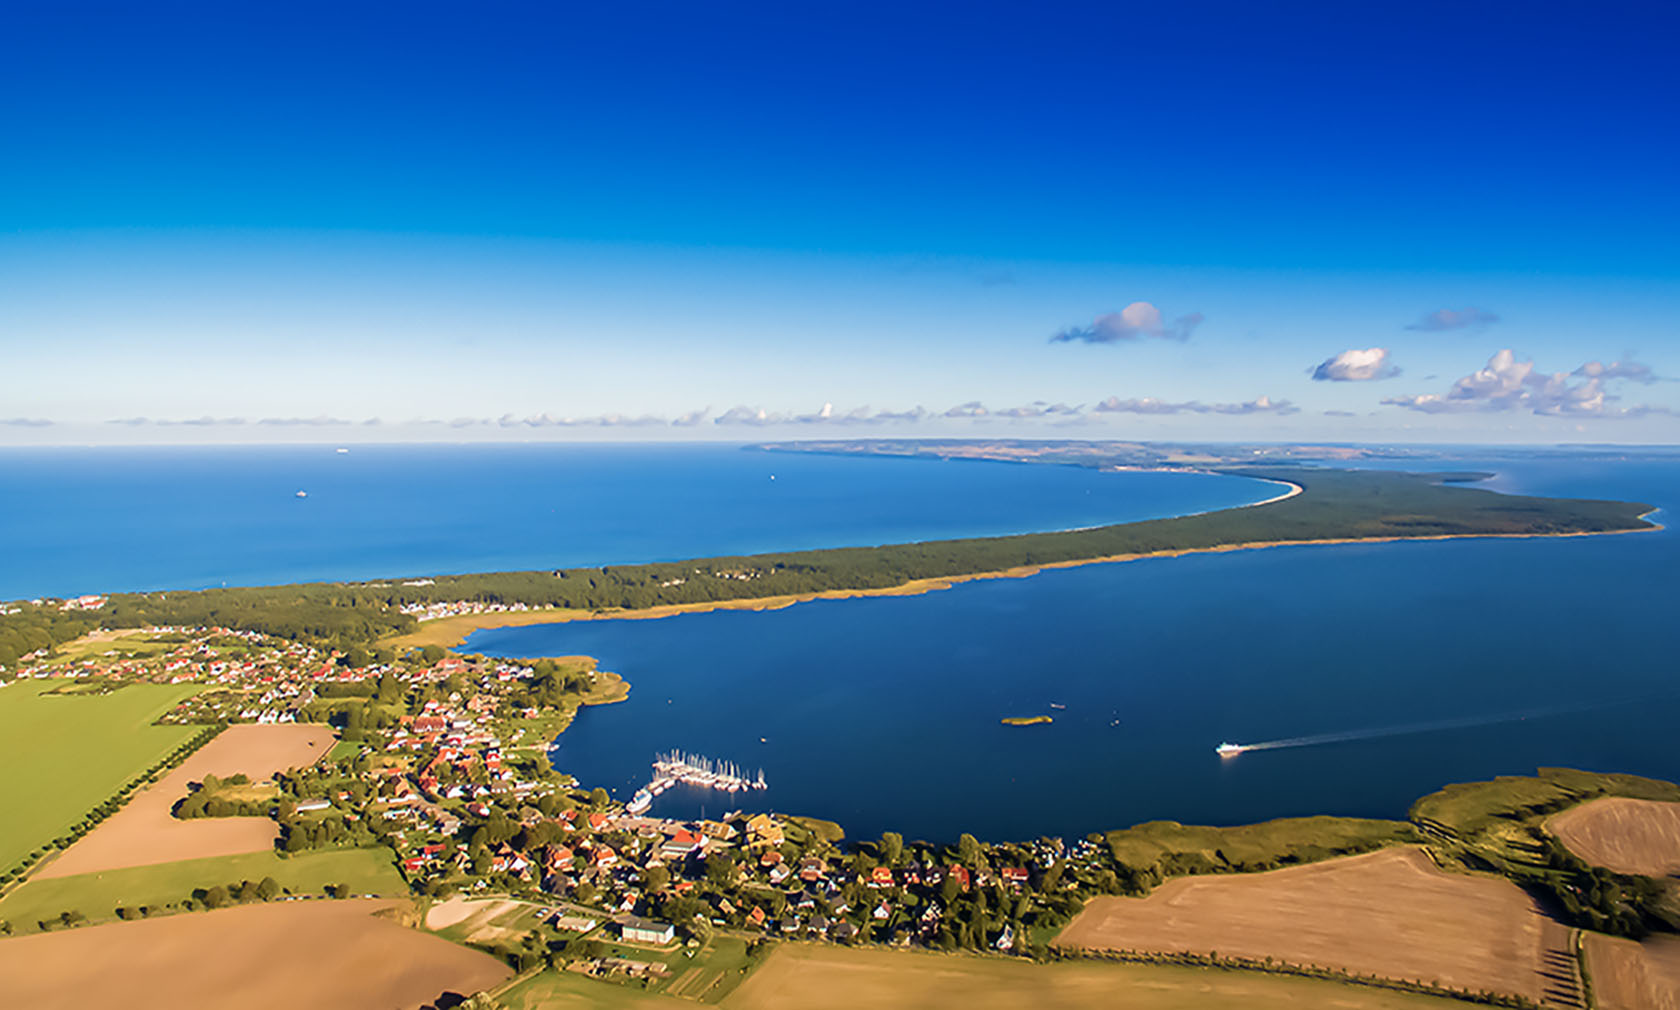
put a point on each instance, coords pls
(62, 755)
(1166, 848)
(132, 644)
(98, 895)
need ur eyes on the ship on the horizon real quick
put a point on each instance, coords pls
(1227, 750)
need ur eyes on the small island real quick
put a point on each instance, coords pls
(1027, 720)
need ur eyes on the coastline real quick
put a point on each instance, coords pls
(453, 632)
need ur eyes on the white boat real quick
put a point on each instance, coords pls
(1229, 750)
(302, 494)
(639, 803)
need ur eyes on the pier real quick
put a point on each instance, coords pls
(692, 769)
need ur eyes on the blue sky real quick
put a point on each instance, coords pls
(744, 221)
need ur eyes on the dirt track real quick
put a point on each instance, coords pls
(326, 955)
(1390, 913)
(1628, 836)
(145, 832)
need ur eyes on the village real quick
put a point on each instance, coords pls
(445, 761)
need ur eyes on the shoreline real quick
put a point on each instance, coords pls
(459, 629)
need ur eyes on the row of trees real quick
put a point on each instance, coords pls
(111, 805)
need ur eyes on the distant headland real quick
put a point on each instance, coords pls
(1322, 506)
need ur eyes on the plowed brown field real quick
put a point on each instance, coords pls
(1390, 913)
(145, 832)
(1634, 976)
(822, 977)
(1628, 836)
(326, 955)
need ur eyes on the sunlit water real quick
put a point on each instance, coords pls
(884, 713)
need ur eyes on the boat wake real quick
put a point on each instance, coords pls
(1407, 729)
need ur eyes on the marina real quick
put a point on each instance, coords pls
(691, 769)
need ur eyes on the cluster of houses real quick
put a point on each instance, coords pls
(251, 677)
(447, 770)
(455, 608)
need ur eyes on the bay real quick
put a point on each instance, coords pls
(884, 713)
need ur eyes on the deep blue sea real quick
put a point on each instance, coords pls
(100, 520)
(884, 713)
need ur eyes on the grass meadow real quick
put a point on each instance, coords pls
(62, 755)
(98, 895)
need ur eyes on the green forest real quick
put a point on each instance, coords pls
(1335, 504)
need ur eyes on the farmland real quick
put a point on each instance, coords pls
(338, 955)
(1622, 834)
(146, 832)
(1388, 913)
(1635, 976)
(820, 978)
(98, 895)
(66, 753)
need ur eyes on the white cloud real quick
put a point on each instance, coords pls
(1356, 366)
(1150, 405)
(1469, 317)
(1134, 322)
(1506, 384)
(1633, 371)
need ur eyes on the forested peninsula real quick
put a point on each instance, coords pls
(1333, 506)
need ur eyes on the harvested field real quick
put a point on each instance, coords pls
(1391, 913)
(834, 978)
(145, 832)
(1634, 976)
(1625, 835)
(327, 955)
(473, 921)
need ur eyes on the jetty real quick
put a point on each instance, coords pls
(692, 769)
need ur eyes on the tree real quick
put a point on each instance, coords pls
(216, 897)
(353, 720)
(968, 850)
(268, 889)
(658, 878)
(891, 848)
(720, 868)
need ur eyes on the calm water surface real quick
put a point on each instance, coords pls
(101, 520)
(884, 713)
